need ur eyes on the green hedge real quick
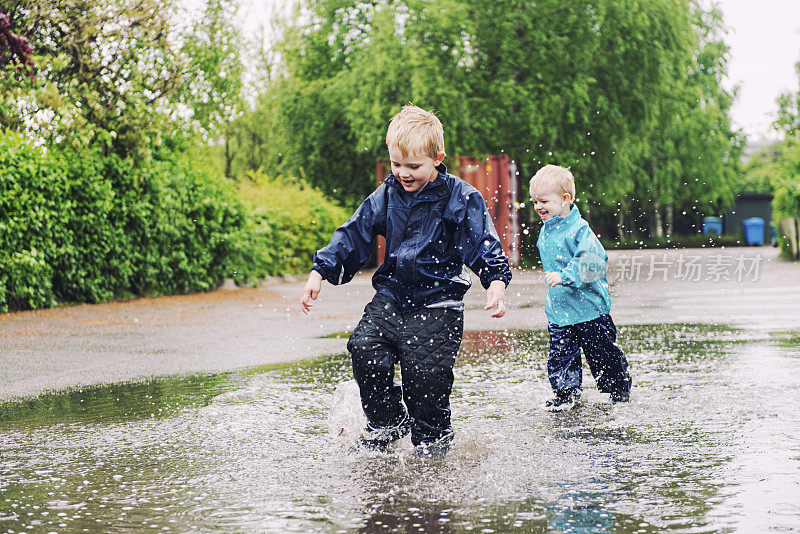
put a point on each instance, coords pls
(289, 221)
(88, 228)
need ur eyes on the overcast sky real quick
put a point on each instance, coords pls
(765, 45)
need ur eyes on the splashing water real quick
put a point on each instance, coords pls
(709, 442)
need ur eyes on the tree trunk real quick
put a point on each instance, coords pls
(631, 228)
(797, 232)
(797, 238)
(227, 159)
(658, 225)
(670, 215)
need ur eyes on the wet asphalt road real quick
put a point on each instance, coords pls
(236, 328)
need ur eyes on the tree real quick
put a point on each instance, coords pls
(104, 70)
(15, 58)
(14, 49)
(789, 110)
(777, 169)
(536, 82)
(625, 92)
(212, 83)
(693, 157)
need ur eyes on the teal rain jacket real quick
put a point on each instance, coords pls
(569, 247)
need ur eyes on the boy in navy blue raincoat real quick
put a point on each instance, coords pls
(435, 224)
(578, 304)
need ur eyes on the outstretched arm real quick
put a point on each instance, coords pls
(351, 244)
(310, 291)
(496, 297)
(479, 244)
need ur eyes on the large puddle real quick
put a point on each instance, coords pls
(709, 443)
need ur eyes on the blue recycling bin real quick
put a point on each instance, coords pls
(712, 225)
(754, 230)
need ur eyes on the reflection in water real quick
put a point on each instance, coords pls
(428, 517)
(709, 442)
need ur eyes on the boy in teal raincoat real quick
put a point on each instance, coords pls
(578, 304)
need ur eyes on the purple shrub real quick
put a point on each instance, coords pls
(13, 47)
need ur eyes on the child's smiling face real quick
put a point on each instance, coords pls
(548, 203)
(413, 171)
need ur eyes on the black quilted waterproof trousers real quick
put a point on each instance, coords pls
(425, 342)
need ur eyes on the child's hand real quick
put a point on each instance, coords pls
(310, 291)
(496, 296)
(553, 278)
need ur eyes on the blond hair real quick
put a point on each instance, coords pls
(559, 177)
(415, 131)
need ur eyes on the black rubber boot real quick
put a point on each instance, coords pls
(564, 400)
(380, 439)
(621, 396)
(434, 451)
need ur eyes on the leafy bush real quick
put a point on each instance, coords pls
(81, 227)
(289, 221)
(786, 205)
(778, 166)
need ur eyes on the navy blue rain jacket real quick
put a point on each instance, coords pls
(429, 240)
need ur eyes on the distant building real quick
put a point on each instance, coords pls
(749, 205)
(753, 147)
